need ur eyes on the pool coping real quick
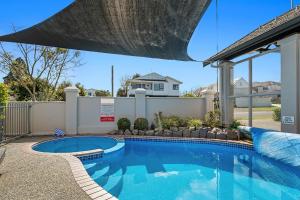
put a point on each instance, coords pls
(85, 155)
(94, 190)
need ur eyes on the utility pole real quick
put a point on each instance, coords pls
(292, 4)
(112, 81)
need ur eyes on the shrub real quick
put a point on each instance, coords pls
(194, 123)
(234, 125)
(3, 100)
(171, 121)
(123, 124)
(3, 94)
(141, 124)
(277, 114)
(183, 122)
(212, 119)
(168, 122)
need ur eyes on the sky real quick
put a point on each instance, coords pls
(236, 19)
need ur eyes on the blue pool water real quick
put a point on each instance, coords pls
(75, 144)
(184, 171)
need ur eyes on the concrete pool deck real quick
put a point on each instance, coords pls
(36, 176)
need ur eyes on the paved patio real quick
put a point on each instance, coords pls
(32, 176)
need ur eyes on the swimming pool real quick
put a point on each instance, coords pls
(75, 144)
(152, 170)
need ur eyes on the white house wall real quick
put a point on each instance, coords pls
(168, 89)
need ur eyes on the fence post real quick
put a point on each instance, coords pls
(140, 103)
(71, 110)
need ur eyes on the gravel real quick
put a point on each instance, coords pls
(26, 175)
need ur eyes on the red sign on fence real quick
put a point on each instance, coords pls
(107, 118)
(107, 111)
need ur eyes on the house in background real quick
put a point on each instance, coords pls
(241, 87)
(91, 92)
(155, 85)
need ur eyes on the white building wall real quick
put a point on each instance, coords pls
(168, 89)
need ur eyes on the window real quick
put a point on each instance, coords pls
(148, 86)
(158, 87)
(175, 87)
(138, 85)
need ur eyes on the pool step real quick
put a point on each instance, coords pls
(114, 181)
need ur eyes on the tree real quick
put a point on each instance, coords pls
(121, 93)
(60, 91)
(102, 93)
(38, 64)
(81, 89)
(20, 93)
(124, 82)
(136, 75)
(189, 94)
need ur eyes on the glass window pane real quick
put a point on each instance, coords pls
(161, 86)
(241, 111)
(241, 79)
(266, 112)
(156, 86)
(175, 87)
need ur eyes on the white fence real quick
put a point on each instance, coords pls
(46, 116)
(81, 115)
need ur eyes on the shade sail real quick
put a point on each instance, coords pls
(148, 28)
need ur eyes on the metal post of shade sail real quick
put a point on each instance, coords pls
(250, 94)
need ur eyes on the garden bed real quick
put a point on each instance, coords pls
(174, 126)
